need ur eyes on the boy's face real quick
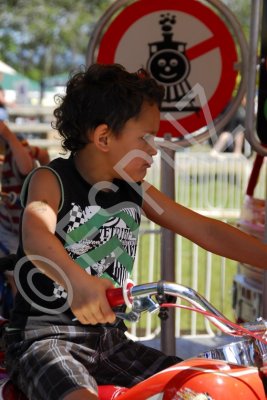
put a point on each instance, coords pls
(132, 151)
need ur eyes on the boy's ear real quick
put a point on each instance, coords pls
(101, 137)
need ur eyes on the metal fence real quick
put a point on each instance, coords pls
(215, 187)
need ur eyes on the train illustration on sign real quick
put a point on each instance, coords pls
(169, 65)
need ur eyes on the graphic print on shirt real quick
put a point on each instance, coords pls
(104, 243)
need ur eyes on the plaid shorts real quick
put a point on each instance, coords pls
(51, 362)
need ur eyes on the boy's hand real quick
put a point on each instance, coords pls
(90, 304)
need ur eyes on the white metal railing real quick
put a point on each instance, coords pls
(213, 186)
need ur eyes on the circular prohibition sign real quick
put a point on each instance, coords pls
(195, 44)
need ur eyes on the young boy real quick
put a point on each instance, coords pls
(79, 232)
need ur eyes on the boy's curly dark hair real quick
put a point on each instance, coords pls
(103, 94)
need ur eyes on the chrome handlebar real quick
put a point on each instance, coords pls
(140, 296)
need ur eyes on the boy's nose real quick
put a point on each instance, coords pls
(153, 150)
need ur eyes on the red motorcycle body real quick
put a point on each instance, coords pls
(193, 379)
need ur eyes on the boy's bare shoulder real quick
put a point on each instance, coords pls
(43, 174)
(44, 184)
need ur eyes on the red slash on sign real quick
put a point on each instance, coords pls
(184, 45)
(202, 48)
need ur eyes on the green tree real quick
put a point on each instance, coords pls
(40, 38)
(242, 10)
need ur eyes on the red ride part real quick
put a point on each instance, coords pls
(216, 380)
(200, 378)
(110, 392)
(10, 392)
(115, 297)
(120, 296)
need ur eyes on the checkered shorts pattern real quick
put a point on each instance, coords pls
(53, 361)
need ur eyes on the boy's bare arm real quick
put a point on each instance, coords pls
(89, 303)
(213, 235)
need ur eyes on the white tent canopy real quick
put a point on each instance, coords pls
(6, 69)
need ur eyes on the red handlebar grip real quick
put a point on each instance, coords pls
(115, 297)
